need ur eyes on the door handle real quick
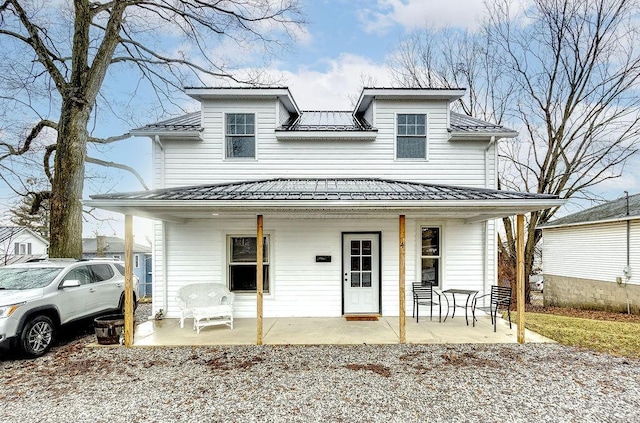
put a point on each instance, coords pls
(92, 290)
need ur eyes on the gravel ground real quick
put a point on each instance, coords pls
(363, 383)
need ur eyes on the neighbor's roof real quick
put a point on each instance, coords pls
(612, 211)
(8, 232)
(323, 189)
(112, 245)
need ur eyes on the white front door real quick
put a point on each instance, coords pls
(361, 280)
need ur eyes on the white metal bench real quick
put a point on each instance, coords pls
(208, 303)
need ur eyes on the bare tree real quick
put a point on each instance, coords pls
(57, 57)
(576, 65)
(450, 58)
(567, 76)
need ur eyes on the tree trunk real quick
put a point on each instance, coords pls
(66, 209)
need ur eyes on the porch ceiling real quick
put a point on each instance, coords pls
(323, 198)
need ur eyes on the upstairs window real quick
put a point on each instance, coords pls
(411, 140)
(240, 135)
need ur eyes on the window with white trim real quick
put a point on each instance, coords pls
(430, 257)
(242, 263)
(411, 140)
(240, 135)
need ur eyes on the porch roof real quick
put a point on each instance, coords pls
(328, 196)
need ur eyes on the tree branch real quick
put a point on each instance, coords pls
(119, 166)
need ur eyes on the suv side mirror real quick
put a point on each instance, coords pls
(71, 283)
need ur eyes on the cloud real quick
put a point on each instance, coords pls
(336, 85)
(413, 14)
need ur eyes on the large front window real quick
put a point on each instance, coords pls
(430, 255)
(242, 264)
(240, 135)
(411, 142)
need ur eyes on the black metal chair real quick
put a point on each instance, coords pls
(423, 294)
(500, 298)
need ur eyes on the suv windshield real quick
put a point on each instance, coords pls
(27, 277)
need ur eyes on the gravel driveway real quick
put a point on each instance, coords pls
(363, 383)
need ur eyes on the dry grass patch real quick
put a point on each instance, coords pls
(611, 337)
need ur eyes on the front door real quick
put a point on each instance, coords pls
(361, 281)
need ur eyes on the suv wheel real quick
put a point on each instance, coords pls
(37, 336)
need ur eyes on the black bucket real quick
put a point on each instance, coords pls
(109, 328)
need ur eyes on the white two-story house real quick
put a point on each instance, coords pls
(343, 199)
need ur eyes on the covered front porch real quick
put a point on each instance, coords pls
(199, 223)
(331, 331)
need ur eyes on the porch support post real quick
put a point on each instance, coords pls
(128, 280)
(401, 279)
(520, 277)
(259, 277)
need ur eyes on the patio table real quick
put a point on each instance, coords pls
(470, 293)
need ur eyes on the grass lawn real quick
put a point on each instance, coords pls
(611, 333)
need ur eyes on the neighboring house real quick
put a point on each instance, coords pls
(333, 192)
(591, 259)
(113, 247)
(20, 244)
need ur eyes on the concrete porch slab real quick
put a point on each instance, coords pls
(329, 330)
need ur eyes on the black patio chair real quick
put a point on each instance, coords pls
(424, 294)
(500, 298)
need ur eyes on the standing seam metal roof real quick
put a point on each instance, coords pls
(464, 123)
(323, 121)
(188, 122)
(322, 189)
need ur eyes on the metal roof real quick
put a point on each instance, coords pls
(188, 122)
(8, 232)
(613, 210)
(112, 245)
(321, 121)
(464, 123)
(326, 121)
(323, 189)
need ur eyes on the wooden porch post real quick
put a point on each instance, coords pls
(520, 276)
(401, 279)
(259, 277)
(128, 280)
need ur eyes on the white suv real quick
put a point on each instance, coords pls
(37, 298)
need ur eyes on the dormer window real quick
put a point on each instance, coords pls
(411, 142)
(240, 135)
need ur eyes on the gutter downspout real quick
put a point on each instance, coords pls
(165, 284)
(627, 269)
(485, 247)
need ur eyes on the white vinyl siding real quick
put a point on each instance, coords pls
(194, 162)
(597, 252)
(299, 285)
